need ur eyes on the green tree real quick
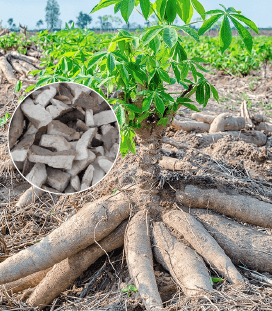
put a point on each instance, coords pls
(52, 14)
(10, 22)
(83, 20)
(39, 23)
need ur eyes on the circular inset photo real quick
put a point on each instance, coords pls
(64, 137)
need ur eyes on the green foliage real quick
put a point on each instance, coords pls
(4, 119)
(216, 280)
(17, 41)
(52, 14)
(83, 20)
(140, 66)
(18, 86)
(128, 289)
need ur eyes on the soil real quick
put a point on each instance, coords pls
(229, 164)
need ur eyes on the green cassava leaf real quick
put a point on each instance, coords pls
(170, 36)
(190, 31)
(200, 95)
(207, 95)
(145, 7)
(190, 106)
(150, 34)
(111, 62)
(214, 93)
(199, 8)
(244, 34)
(103, 4)
(225, 34)
(210, 12)
(184, 10)
(164, 75)
(30, 88)
(127, 7)
(159, 104)
(117, 7)
(120, 115)
(95, 58)
(208, 24)
(170, 11)
(147, 102)
(155, 44)
(18, 86)
(247, 21)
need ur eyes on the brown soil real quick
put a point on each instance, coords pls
(229, 164)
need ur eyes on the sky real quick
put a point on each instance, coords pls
(28, 12)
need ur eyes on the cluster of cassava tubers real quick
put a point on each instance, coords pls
(15, 63)
(186, 244)
(216, 127)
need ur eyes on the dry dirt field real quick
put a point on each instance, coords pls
(228, 164)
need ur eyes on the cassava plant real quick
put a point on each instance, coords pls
(140, 67)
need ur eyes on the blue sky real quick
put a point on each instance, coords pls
(28, 12)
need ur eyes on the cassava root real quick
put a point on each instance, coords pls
(244, 245)
(198, 237)
(239, 206)
(93, 222)
(29, 281)
(65, 272)
(185, 266)
(139, 260)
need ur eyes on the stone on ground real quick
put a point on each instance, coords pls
(98, 173)
(58, 108)
(89, 120)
